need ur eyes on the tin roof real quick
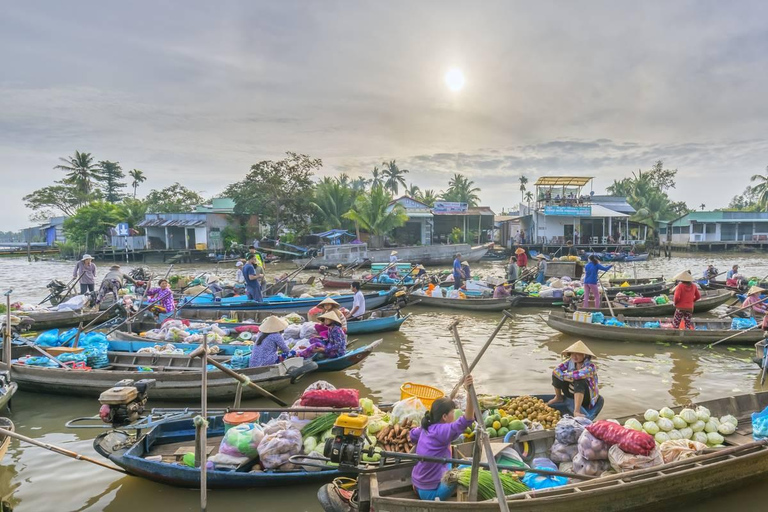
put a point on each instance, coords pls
(163, 223)
(562, 181)
(477, 210)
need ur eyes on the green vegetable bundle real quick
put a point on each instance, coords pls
(319, 425)
(485, 488)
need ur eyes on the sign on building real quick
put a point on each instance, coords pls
(447, 206)
(568, 211)
(122, 229)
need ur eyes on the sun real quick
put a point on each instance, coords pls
(454, 79)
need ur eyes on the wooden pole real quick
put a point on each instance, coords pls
(742, 308)
(605, 294)
(203, 429)
(733, 336)
(46, 354)
(8, 333)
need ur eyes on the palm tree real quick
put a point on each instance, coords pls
(343, 179)
(413, 191)
(461, 190)
(138, 178)
(523, 182)
(529, 198)
(373, 213)
(360, 183)
(332, 200)
(428, 197)
(394, 176)
(761, 189)
(377, 176)
(81, 173)
(702, 206)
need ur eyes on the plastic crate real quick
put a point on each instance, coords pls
(427, 394)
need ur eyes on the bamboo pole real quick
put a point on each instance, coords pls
(203, 431)
(8, 333)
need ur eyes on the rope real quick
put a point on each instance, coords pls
(199, 421)
(246, 381)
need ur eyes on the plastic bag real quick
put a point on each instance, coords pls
(307, 330)
(275, 449)
(652, 325)
(242, 441)
(760, 424)
(330, 398)
(568, 429)
(672, 451)
(538, 481)
(613, 322)
(622, 461)
(49, 338)
(292, 332)
(592, 448)
(225, 462)
(743, 323)
(598, 318)
(583, 466)
(563, 452)
(631, 441)
(320, 384)
(410, 408)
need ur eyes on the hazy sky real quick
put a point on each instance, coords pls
(196, 92)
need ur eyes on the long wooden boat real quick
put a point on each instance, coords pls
(8, 388)
(708, 330)
(646, 290)
(346, 283)
(5, 441)
(332, 255)
(710, 299)
(468, 304)
(177, 377)
(743, 460)
(349, 359)
(635, 280)
(45, 320)
(529, 301)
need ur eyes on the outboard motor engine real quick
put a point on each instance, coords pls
(124, 403)
(56, 289)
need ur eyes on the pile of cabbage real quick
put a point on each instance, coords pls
(694, 424)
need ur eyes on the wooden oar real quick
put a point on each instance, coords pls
(765, 365)
(59, 450)
(605, 294)
(733, 335)
(46, 354)
(743, 308)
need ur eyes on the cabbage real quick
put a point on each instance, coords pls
(665, 424)
(650, 427)
(729, 419)
(376, 425)
(367, 405)
(726, 428)
(711, 425)
(310, 443)
(651, 415)
(633, 424)
(689, 415)
(698, 426)
(686, 433)
(666, 412)
(700, 437)
(661, 437)
(714, 438)
(674, 435)
(703, 414)
(679, 422)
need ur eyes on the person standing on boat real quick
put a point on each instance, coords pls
(576, 378)
(542, 268)
(686, 294)
(512, 269)
(522, 260)
(112, 283)
(458, 273)
(162, 296)
(86, 271)
(268, 341)
(591, 286)
(753, 300)
(252, 283)
(358, 302)
(433, 439)
(393, 259)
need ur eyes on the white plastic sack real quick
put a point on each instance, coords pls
(622, 461)
(410, 408)
(76, 303)
(292, 332)
(307, 330)
(275, 449)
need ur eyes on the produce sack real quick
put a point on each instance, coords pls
(537, 481)
(680, 449)
(563, 452)
(292, 332)
(583, 466)
(743, 323)
(622, 461)
(641, 300)
(275, 449)
(242, 441)
(598, 318)
(410, 408)
(569, 429)
(330, 398)
(224, 462)
(760, 424)
(96, 354)
(652, 325)
(592, 448)
(307, 330)
(253, 329)
(631, 441)
(49, 338)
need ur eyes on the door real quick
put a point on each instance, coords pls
(568, 232)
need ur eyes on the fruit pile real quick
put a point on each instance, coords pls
(533, 409)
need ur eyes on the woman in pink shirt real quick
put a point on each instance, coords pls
(753, 299)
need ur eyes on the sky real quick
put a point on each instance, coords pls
(197, 92)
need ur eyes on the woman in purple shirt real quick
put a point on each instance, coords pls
(163, 296)
(433, 439)
(269, 339)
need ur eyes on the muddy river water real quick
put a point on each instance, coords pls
(633, 377)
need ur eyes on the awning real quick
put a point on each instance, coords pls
(602, 211)
(163, 223)
(562, 181)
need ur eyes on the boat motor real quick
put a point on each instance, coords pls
(56, 290)
(346, 445)
(401, 299)
(124, 403)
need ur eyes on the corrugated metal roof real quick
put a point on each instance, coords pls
(163, 223)
(479, 210)
(560, 181)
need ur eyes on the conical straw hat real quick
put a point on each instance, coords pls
(330, 315)
(754, 290)
(684, 276)
(519, 250)
(578, 348)
(273, 324)
(330, 301)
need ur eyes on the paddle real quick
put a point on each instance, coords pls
(605, 294)
(46, 354)
(8, 331)
(742, 308)
(733, 335)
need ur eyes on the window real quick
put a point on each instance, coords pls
(679, 229)
(698, 228)
(711, 228)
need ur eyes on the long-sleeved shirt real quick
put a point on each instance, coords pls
(731, 273)
(88, 272)
(163, 296)
(265, 354)
(337, 342)
(457, 272)
(587, 372)
(434, 442)
(591, 270)
(754, 301)
(685, 295)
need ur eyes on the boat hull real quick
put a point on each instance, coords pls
(349, 359)
(460, 304)
(45, 320)
(430, 255)
(708, 302)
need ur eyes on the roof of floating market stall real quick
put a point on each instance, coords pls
(334, 234)
(562, 181)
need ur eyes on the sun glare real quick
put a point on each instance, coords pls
(454, 79)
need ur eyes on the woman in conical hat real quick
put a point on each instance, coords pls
(686, 294)
(336, 344)
(325, 305)
(268, 341)
(753, 299)
(576, 378)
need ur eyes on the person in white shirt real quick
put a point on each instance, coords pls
(239, 277)
(358, 304)
(393, 257)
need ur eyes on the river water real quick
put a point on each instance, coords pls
(633, 377)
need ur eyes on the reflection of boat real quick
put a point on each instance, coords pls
(710, 299)
(742, 460)
(346, 254)
(708, 330)
(5, 441)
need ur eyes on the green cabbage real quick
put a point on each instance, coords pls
(729, 419)
(651, 427)
(674, 435)
(651, 415)
(700, 437)
(310, 443)
(703, 413)
(698, 426)
(689, 415)
(726, 428)
(367, 405)
(714, 438)
(666, 412)
(633, 424)
(679, 422)
(665, 424)
(711, 425)
(376, 425)
(661, 437)
(686, 433)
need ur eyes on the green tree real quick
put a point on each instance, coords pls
(761, 189)
(377, 177)
(393, 176)
(461, 190)
(529, 196)
(174, 199)
(82, 172)
(45, 202)
(523, 182)
(746, 201)
(373, 213)
(280, 192)
(428, 197)
(360, 183)
(91, 224)
(332, 200)
(138, 178)
(413, 191)
(133, 211)
(111, 175)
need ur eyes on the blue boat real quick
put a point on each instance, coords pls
(351, 358)
(164, 439)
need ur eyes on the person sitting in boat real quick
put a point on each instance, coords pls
(336, 343)
(591, 285)
(569, 300)
(710, 273)
(418, 271)
(328, 304)
(268, 341)
(162, 296)
(466, 270)
(753, 300)
(433, 439)
(576, 378)
(541, 268)
(501, 291)
(214, 287)
(112, 283)
(686, 294)
(731, 273)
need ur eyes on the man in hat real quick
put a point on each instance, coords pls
(252, 276)
(358, 302)
(86, 271)
(686, 294)
(710, 273)
(753, 299)
(393, 258)
(239, 279)
(576, 378)
(112, 283)
(542, 268)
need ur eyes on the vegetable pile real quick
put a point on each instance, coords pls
(533, 409)
(485, 487)
(690, 424)
(396, 438)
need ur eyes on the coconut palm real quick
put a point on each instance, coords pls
(138, 178)
(394, 176)
(761, 189)
(377, 176)
(413, 191)
(461, 190)
(332, 200)
(360, 183)
(523, 182)
(81, 173)
(428, 197)
(373, 213)
(529, 196)
(702, 206)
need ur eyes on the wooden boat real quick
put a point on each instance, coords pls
(346, 283)
(635, 280)
(345, 254)
(710, 299)
(177, 377)
(45, 320)
(708, 330)
(468, 304)
(8, 388)
(165, 439)
(645, 290)
(742, 461)
(761, 350)
(349, 359)
(5, 441)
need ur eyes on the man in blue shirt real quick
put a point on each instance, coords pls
(251, 275)
(458, 274)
